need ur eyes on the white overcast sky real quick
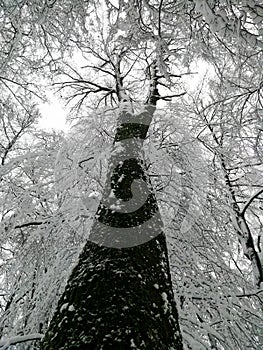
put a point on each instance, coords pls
(53, 115)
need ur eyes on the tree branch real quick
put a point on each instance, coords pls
(19, 339)
(34, 223)
(250, 200)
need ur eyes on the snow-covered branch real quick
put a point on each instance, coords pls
(220, 22)
(4, 344)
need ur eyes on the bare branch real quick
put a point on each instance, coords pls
(251, 200)
(34, 223)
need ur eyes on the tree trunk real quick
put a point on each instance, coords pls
(119, 295)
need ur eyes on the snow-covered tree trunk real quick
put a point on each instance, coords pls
(119, 295)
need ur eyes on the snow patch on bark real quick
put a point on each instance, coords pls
(166, 304)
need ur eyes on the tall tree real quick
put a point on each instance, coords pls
(120, 295)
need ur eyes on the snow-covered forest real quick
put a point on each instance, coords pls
(199, 62)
